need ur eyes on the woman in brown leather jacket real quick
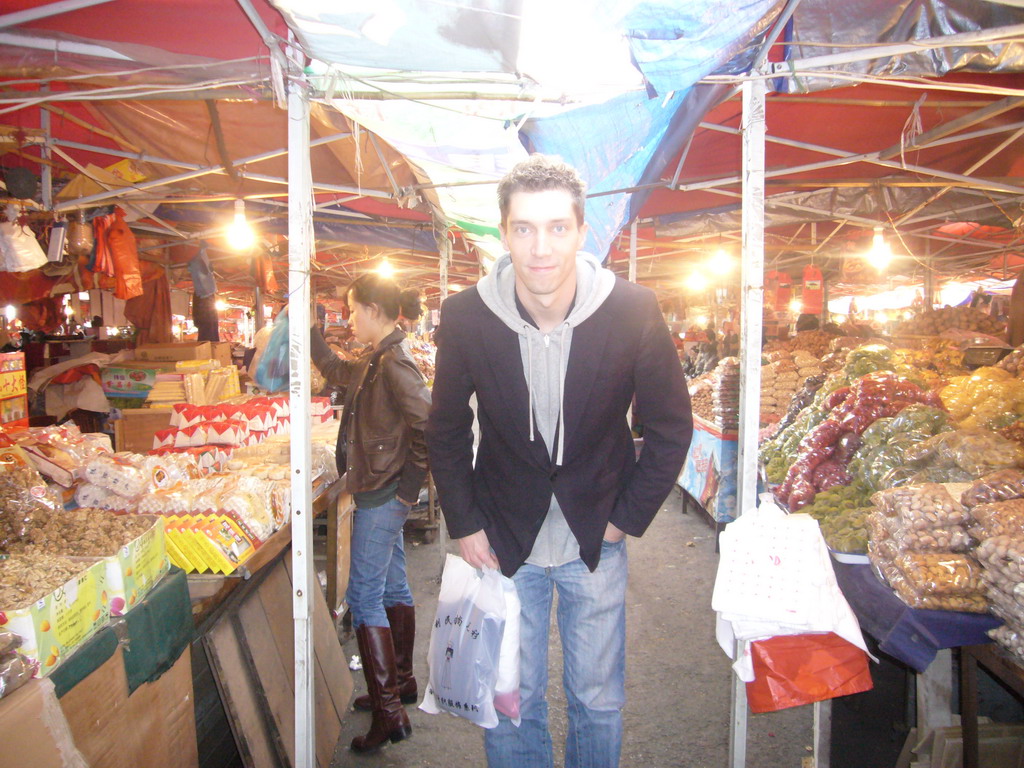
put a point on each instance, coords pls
(383, 455)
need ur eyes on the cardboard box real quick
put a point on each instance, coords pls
(186, 350)
(134, 570)
(55, 625)
(153, 726)
(135, 429)
(35, 731)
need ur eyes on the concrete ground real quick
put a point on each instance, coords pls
(677, 687)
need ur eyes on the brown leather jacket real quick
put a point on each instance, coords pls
(386, 405)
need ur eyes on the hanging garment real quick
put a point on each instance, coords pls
(205, 317)
(125, 257)
(150, 312)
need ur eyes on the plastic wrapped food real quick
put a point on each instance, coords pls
(1000, 485)
(9, 642)
(899, 538)
(976, 451)
(1010, 638)
(941, 573)
(1003, 555)
(23, 494)
(952, 539)
(1001, 518)
(15, 671)
(920, 507)
(89, 495)
(120, 473)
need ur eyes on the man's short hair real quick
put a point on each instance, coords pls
(540, 173)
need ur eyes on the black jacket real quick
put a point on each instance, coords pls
(380, 439)
(623, 349)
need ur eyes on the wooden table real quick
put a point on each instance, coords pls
(1001, 666)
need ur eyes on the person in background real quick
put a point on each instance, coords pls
(555, 346)
(382, 454)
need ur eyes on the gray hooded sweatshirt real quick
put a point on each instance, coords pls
(545, 360)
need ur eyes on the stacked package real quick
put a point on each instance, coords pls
(782, 378)
(702, 396)
(726, 394)
(996, 504)
(918, 540)
(213, 432)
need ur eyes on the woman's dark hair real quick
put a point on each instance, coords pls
(383, 292)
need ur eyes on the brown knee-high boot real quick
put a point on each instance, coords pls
(389, 719)
(403, 635)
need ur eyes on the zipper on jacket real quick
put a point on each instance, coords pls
(547, 340)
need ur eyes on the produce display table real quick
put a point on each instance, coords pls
(912, 635)
(709, 474)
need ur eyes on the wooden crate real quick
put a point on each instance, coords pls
(135, 429)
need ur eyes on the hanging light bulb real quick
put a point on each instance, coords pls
(722, 263)
(10, 312)
(880, 254)
(221, 305)
(384, 269)
(796, 306)
(240, 234)
(696, 282)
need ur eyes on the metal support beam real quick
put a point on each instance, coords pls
(868, 53)
(45, 11)
(752, 298)
(300, 251)
(46, 172)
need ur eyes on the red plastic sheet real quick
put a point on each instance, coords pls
(790, 670)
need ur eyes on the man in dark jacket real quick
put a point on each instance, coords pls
(555, 347)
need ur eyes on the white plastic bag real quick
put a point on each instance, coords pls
(471, 631)
(20, 250)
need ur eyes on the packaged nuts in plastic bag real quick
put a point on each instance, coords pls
(921, 506)
(941, 573)
(1001, 485)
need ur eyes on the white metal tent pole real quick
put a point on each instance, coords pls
(752, 286)
(300, 250)
(632, 252)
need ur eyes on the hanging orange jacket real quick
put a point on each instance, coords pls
(125, 256)
(101, 260)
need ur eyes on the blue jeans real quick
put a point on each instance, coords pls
(592, 625)
(377, 572)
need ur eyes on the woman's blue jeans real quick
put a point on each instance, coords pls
(592, 624)
(377, 572)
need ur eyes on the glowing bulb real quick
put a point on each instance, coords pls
(10, 312)
(696, 282)
(796, 306)
(840, 319)
(881, 317)
(385, 269)
(69, 310)
(880, 254)
(240, 234)
(721, 263)
(455, 287)
(702, 320)
(221, 305)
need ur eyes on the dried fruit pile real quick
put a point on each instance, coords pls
(27, 578)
